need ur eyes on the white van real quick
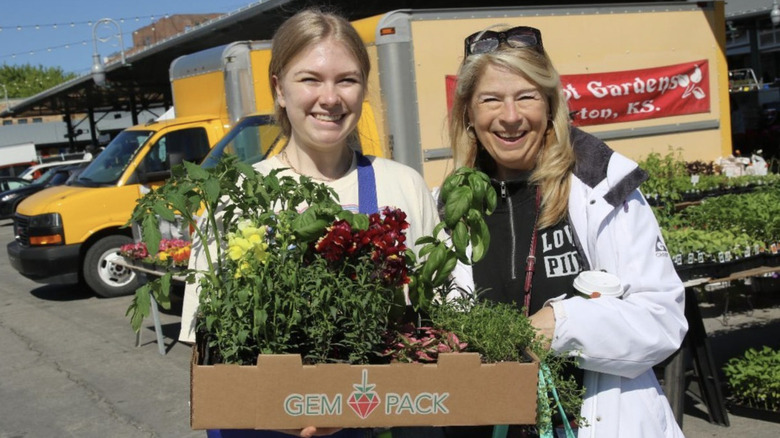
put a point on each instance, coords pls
(34, 172)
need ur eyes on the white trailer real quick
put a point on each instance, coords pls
(18, 153)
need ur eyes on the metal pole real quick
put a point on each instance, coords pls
(5, 92)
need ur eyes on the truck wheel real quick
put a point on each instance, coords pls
(104, 277)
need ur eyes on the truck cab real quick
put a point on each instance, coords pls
(69, 234)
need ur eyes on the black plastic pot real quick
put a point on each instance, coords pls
(755, 413)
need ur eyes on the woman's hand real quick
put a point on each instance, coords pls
(311, 431)
(544, 322)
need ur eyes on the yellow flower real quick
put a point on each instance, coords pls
(243, 268)
(237, 247)
(261, 255)
(248, 239)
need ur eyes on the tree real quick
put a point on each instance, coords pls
(27, 80)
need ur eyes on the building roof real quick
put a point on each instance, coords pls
(737, 9)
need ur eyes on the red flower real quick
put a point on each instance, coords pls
(384, 241)
(336, 242)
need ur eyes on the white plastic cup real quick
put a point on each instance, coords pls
(607, 285)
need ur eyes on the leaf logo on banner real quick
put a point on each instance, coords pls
(690, 84)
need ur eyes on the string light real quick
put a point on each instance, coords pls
(65, 25)
(52, 48)
(71, 24)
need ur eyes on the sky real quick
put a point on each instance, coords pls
(59, 33)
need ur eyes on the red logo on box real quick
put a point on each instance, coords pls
(364, 400)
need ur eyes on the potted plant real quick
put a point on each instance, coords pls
(754, 382)
(172, 254)
(327, 284)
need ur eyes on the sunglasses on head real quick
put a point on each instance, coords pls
(487, 41)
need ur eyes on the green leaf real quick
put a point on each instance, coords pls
(460, 239)
(479, 190)
(425, 240)
(491, 200)
(311, 230)
(140, 307)
(450, 183)
(446, 269)
(196, 172)
(150, 230)
(163, 295)
(457, 205)
(211, 189)
(434, 262)
(164, 212)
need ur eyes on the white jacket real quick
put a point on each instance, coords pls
(618, 341)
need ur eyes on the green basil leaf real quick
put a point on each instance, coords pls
(460, 240)
(457, 205)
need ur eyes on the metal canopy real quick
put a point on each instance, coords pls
(143, 83)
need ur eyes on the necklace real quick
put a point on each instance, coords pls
(286, 159)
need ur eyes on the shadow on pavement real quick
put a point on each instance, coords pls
(62, 292)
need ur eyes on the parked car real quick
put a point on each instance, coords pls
(14, 169)
(55, 176)
(36, 171)
(12, 182)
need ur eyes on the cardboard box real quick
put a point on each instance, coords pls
(281, 393)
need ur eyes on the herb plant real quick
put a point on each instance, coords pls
(754, 378)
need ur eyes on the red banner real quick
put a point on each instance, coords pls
(626, 96)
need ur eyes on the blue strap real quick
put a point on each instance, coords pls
(546, 386)
(367, 203)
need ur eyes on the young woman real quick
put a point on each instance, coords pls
(318, 74)
(567, 203)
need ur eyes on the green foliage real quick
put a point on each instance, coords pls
(665, 173)
(688, 240)
(501, 332)
(283, 300)
(754, 378)
(497, 331)
(467, 196)
(27, 80)
(748, 217)
(734, 214)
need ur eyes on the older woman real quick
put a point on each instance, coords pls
(567, 203)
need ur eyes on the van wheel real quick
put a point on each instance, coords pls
(104, 277)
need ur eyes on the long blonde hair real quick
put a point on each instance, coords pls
(555, 161)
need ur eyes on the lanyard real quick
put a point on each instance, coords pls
(367, 202)
(530, 261)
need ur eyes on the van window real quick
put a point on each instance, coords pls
(110, 164)
(190, 144)
(251, 139)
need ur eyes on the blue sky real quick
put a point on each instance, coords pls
(58, 33)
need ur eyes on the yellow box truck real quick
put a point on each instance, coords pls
(72, 233)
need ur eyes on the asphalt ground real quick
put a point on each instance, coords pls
(70, 367)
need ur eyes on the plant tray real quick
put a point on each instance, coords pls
(755, 413)
(281, 393)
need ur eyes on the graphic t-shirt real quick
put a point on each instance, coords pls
(501, 274)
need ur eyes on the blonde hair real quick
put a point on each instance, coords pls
(308, 27)
(555, 161)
